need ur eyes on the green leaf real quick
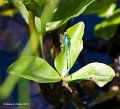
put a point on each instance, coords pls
(105, 96)
(8, 12)
(76, 32)
(41, 2)
(96, 72)
(95, 7)
(21, 7)
(3, 2)
(30, 4)
(107, 28)
(109, 12)
(52, 13)
(34, 3)
(34, 68)
(65, 10)
(70, 8)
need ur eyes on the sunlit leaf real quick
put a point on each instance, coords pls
(34, 68)
(21, 7)
(75, 33)
(66, 10)
(3, 2)
(107, 28)
(9, 12)
(96, 72)
(109, 12)
(53, 13)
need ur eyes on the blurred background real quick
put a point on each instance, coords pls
(98, 47)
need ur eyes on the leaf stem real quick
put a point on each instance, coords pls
(33, 33)
(41, 46)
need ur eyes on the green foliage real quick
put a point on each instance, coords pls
(34, 3)
(46, 15)
(105, 96)
(99, 6)
(3, 2)
(21, 7)
(76, 32)
(70, 9)
(109, 12)
(7, 87)
(107, 28)
(51, 13)
(8, 12)
(30, 4)
(6, 9)
(41, 2)
(34, 68)
(37, 69)
(96, 72)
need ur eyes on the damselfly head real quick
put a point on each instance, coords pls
(64, 39)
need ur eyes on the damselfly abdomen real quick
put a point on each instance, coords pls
(67, 49)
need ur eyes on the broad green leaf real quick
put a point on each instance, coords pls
(34, 68)
(66, 10)
(70, 8)
(107, 28)
(96, 72)
(53, 13)
(76, 32)
(99, 6)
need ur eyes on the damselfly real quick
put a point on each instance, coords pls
(67, 49)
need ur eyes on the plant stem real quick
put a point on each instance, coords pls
(7, 87)
(41, 46)
(33, 33)
(24, 92)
